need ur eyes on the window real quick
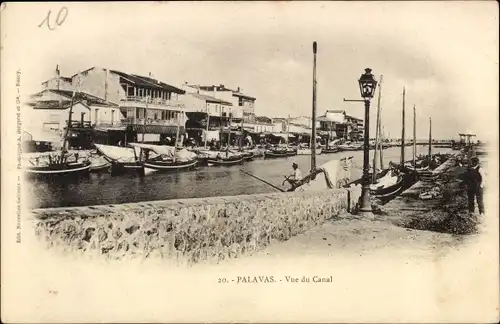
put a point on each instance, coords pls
(112, 117)
(96, 118)
(240, 101)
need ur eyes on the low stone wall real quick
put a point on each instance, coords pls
(190, 229)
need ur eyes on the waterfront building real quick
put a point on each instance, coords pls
(208, 117)
(116, 106)
(149, 107)
(279, 125)
(340, 125)
(243, 104)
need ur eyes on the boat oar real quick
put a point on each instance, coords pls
(269, 184)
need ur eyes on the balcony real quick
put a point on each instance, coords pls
(149, 121)
(153, 103)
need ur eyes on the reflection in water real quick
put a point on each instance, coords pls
(203, 182)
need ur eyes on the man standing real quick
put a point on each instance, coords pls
(474, 179)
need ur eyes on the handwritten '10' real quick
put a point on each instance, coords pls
(60, 18)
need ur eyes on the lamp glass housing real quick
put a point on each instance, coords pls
(367, 84)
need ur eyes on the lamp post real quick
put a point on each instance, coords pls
(367, 86)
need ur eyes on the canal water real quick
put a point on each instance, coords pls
(202, 182)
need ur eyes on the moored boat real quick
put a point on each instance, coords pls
(58, 170)
(225, 161)
(163, 158)
(328, 150)
(122, 159)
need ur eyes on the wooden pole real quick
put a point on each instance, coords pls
(287, 129)
(68, 126)
(208, 123)
(242, 139)
(230, 119)
(145, 117)
(377, 132)
(313, 147)
(177, 133)
(269, 184)
(403, 132)
(430, 140)
(382, 136)
(414, 137)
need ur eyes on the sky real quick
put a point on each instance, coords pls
(444, 53)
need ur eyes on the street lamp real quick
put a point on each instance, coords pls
(367, 86)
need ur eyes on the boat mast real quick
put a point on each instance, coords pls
(242, 139)
(287, 129)
(230, 119)
(403, 132)
(377, 132)
(68, 126)
(313, 147)
(145, 117)
(414, 137)
(381, 146)
(430, 140)
(177, 133)
(208, 123)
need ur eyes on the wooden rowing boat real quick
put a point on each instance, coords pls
(58, 170)
(225, 161)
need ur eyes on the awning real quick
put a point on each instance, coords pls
(113, 128)
(283, 135)
(158, 129)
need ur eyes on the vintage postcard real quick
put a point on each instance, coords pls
(250, 162)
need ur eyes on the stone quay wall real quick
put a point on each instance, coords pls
(189, 230)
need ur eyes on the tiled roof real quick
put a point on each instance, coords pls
(147, 82)
(66, 79)
(67, 94)
(165, 86)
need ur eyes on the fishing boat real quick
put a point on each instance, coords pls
(329, 150)
(277, 152)
(308, 151)
(350, 147)
(291, 151)
(225, 160)
(163, 158)
(389, 192)
(331, 147)
(53, 168)
(122, 159)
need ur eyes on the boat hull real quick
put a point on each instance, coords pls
(161, 166)
(225, 162)
(58, 171)
(330, 150)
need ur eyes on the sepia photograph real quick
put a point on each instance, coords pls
(274, 161)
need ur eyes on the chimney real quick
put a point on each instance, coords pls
(238, 89)
(58, 76)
